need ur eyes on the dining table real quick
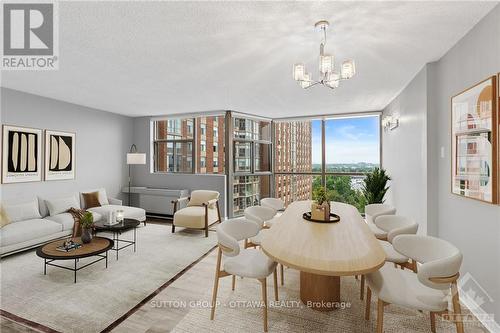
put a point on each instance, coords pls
(323, 252)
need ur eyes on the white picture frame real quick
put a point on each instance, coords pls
(21, 154)
(60, 155)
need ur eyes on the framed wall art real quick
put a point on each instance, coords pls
(474, 131)
(60, 155)
(21, 154)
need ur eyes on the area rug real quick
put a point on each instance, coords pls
(100, 295)
(240, 311)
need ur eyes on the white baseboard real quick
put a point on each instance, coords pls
(490, 325)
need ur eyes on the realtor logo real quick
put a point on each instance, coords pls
(29, 36)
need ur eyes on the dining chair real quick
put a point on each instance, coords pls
(263, 216)
(394, 225)
(246, 263)
(373, 211)
(428, 289)
(274, 203)
(277, 204)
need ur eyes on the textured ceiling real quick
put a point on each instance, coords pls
(153, 58)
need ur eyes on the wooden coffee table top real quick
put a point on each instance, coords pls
(97, 246)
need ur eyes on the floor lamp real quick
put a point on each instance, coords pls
(133, 158)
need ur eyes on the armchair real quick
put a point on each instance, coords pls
(202, 210)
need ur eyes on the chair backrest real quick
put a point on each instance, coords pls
(199, 197)
(372, 211)
(438, 258)
(259, 214)
(396, 225)
(274, 203)
(230, 232)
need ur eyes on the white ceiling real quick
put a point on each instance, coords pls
(140, 58)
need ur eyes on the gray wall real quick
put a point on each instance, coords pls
(424, 107)
(471, 225)
(102, 140)
(405, 151)
(143, 177)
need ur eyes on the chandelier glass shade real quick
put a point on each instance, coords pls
(327, 74)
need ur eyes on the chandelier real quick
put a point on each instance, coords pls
(327, 76)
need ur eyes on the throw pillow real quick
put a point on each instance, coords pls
(4, 218)
(61, 205)
(23, 211)
(91, 199)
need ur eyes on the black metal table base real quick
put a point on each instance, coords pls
(127, 242)
(48, 262)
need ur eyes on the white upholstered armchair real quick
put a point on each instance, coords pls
(202, 210)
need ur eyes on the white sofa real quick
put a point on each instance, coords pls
(38, 220)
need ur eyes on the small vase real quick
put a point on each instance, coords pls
(326, 211)
(86, 235)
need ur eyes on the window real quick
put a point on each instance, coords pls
(173, 145)
(351, 148)
(175, 140)
(352, 144)
(216, 162)
(251, 162)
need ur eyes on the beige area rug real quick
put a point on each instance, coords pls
(100, 295)
(235, 315)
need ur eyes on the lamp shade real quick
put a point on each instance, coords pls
(136, 158)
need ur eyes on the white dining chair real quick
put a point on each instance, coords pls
(394, 225)
(427, 290)
(246, 263)
(373, 211)
(277, 204)
(264, 217)
(274, 203)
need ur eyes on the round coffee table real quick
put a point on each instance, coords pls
(117, 229)
(97, 247)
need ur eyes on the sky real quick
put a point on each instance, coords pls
(348, 140)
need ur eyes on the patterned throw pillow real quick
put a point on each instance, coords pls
(91, 199)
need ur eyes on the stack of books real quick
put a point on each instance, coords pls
(68, 246)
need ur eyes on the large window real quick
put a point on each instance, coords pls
(173, 145)
(252, 167)
(351, 148)
(176, 141)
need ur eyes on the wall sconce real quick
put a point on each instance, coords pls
(390, 122)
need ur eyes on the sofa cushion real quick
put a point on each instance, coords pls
(61, 205)
(4, 219)
(103, 196)
(128, 212)
(194, 217)
(91, 200)
(22, 231)
(23, 211)
(199, 197)
(67, 221)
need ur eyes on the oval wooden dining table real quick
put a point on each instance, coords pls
(323, 252)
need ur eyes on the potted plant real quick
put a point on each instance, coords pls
(320, 207)
(87, 222)
(375, 186)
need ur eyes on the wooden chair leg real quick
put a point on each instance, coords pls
(173, 227)
(368, 303)
(216, 284)
(457, 311)
(282, 275)
(234, 283)
(362, 288)
(433, 322)
(380, 316)
(264, 299)
(275, 277)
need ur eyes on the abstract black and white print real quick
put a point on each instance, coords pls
(59, 155)
(21, 154)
